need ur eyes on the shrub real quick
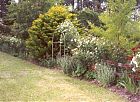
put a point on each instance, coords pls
(80, 70)
(69, 34)
(90, 74)
(44, 32)
(13, 46)
(84, 62)
(67, 64)
(128, 83)
(77, 65)
(21, 15)
(105, 74)
(49, 63)
(108, 50)
(89, 15)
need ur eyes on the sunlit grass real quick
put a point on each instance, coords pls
(23, 81)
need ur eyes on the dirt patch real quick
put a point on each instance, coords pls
(123, 92)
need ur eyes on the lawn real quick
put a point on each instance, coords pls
(22, 81)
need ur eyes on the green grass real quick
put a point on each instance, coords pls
(23, 81)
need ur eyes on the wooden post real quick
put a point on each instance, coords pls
(64, 46)
(52, 47)
(73, 5)
(60, 48)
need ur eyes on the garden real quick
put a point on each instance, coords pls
(96, 42)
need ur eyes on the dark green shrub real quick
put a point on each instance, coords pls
(13, 46)
(20, 16)
(90, 74)
(49, 63)
(89, 15)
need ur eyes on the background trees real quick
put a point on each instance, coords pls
(22, 14)
(3, 9)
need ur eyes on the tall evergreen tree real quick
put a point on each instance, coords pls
(23, 13)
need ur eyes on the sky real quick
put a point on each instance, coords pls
(16, 1)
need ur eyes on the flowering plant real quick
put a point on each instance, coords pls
(136, 58)
(69, 34)
(10, 40)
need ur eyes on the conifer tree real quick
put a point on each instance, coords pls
(43, 32)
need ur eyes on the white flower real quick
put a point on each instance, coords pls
(90, 52)
(71, 40)
(133, 69)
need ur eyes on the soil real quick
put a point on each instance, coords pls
(122, 92)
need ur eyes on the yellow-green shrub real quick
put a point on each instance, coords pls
(44, 28)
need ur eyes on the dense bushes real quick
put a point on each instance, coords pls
(13, 46)
(43, 32)
(89, 15)
(20, 16)
(97, 58)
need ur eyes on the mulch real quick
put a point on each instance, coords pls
(121, 91)
(124, 93)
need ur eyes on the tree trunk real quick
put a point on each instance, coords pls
(78, 5)
(73, 4)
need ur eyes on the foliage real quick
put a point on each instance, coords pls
(4, 29)
(67, 64)
(117, 18)
(123, 23)
(21, 14)
(69, 34)
(108, 50)
(100, 49)
(89, 15)
(80, 70)
(95, 30)
(117, 24)
(44, 32)
(78, 65)
(85, 54)
(12, 45)
(105, 38)
(138, 58)
(105, 74)
(49, 63)
(85, 59)
(84, 62)
(127, 83)
(90, 74)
